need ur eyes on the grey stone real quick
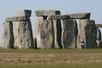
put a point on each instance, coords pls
(69, 33)
(35, 42)
(22, 18)
(83, 24)
(78, 15)
(47, 12)
(53, 30)
(23, 34)
(23, 37)
(98, 38)
(44, 33)
(87, 33)
(57, 27)
(100, 44)
(8, 38)
(46, 29)
(91, 33)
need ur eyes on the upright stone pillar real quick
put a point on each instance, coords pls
(45, 29)
(91, 33)
(44, 33)
(83, 25)
(23, 30)
(57, 27)
(8, 38)
(69, 32)
(98, 38)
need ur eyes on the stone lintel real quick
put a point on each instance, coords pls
(26, 13)
(79, 15)
(65, 17)
(71, 16)
(47, 12)
(55, 17)
(23, 18)
(59, 17)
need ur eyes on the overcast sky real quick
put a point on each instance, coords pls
(9, 7)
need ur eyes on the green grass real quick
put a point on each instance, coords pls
(50, 58)
(97, 50)
(95, 65)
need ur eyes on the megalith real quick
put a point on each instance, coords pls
(84, 22)
(46, 29)
(69, 32)
(91, 33)
(57, 27)
(8, 37)
(98, 38)
(23, 37)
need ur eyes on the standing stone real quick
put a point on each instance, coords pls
(44, 33)
(35, 42)
(23, 30)
(98, 38)
(76, 34)
(45, 29)
(69, 32)
(8, 38)
(58, 33)
(91, 33)
(57, 27)
(83, 24)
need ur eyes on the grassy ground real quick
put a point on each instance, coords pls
(50, 58)
(96, 65)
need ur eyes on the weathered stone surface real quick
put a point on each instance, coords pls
(23, 35)
(38, 25)
(83, 24)
(78, 15)
(87, 33)
(35, 42)
(8, 38)
(23, 31)
(53, 30)
(98, 38)
(22, 18)
(101, 44)
(44, 33)
(91, 33)
(47, 12)
(69, 33)
(57, 27)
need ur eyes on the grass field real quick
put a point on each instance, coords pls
(50, 58)
(96, 65)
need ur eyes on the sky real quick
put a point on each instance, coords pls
(9, 7)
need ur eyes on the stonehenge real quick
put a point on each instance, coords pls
(22, 29)
(53, 30)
